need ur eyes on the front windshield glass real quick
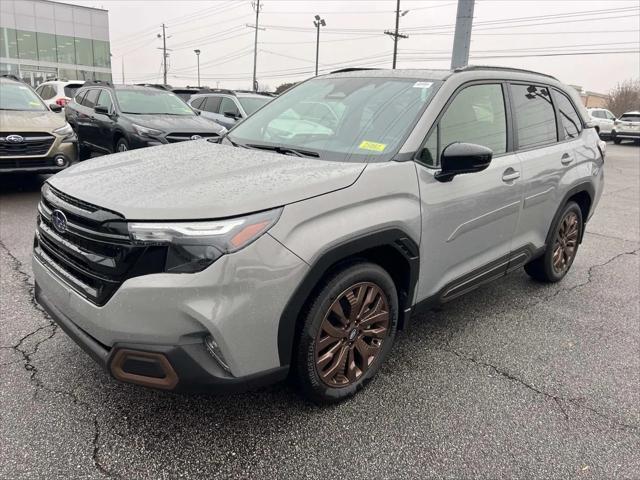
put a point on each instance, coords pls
(344, 119)
(152, 102)
(15, 96)
(251, 104)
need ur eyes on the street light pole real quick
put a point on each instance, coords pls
(197, 52)
(255, 5)
(462, 37)
(396, 34)
(318, 22)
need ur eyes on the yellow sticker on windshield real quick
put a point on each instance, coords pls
(376, 147)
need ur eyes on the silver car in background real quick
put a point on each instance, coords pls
(229, 265)
(627, 127)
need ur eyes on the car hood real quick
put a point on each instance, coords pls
(176, 123)
(21, 121)
(200, 180)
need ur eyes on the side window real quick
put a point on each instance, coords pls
(610, 115)
(534, 115)
(80, 97)
(569, 118)
(597, 114)
(197, 103)
(476, 115)
(228, 105)
(91, 98)
(46, 92)
(105, 100)
(212, 104)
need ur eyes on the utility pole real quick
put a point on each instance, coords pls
(318, 22)
(123, 69)
(462, 38)
(396, 34)
(164, 52)
(256, 6)
(197, 52)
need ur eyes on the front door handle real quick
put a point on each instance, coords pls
(566, 159)
(510, 175)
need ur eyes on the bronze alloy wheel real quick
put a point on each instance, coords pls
(351, 334)
(566, 243)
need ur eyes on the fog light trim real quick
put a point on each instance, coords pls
(168, 382)
(214, 351)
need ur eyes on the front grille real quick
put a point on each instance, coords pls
(7, 163)
(32, 144)
(94, 255)
(182, 136)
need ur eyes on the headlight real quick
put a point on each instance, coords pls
(66, 132)
(147, 132)
(193, 246)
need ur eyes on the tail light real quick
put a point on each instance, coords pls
(63, 101)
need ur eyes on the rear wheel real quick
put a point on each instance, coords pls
(562, 249)
(348, 331)
(615, 139)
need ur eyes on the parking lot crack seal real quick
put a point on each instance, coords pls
(27, 360)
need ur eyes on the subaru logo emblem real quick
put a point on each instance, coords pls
(195, 137)
(15, 138)
(59, 221)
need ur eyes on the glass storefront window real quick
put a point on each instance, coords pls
(105, 77)
(101, 54)
(8, 43)
(66, 49)
(47, 47)
(27, 46)
(68, 74)
(84, 51)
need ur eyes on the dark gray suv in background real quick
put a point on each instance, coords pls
(307, 238)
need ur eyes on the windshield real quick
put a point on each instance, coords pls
(152, 102)
(344, 119)
(16, 96)
(251, 104)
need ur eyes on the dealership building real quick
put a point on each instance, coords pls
(42, 40)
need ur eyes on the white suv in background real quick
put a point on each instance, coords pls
(59, 92)
(627, 127)
(603, 120)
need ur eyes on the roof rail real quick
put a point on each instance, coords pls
(470, 68)
(104, 83)
(11, 76)
(159, 86)
(353, 69)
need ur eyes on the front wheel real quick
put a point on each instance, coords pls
(122, 145)
(562, 249)
(348, 330)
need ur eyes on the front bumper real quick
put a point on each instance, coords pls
(238, 301)
(186, 367)
(42, 164)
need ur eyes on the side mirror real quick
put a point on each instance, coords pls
(458, 158)
(101, 109)
(231, 115)
(54, 107)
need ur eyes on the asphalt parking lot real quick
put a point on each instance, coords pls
(516, 379)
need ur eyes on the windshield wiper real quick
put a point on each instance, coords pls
(284, 150)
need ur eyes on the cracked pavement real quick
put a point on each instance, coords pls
(516, 379)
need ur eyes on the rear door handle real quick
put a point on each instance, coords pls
(510, 175)
(566, 159)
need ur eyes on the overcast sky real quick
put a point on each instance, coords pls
(354, 37)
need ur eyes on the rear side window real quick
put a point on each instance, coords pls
(228, 106)
(197, 103)
(91, 98)
(476, 115)
(569, 118)
(212, 104)
(597, 114)
(46, 92)
(80, 97)
(534, 115)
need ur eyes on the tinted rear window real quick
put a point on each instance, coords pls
(535, 116)
(71, 89)
(630, 117)
(569, 118)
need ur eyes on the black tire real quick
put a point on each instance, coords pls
(122, 145)
(615, 139)
(84, 152)
(542, 268)
(372, 278)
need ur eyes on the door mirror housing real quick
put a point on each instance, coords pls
(101, 109)
(54, 107)
(458, 158)
(231, 115)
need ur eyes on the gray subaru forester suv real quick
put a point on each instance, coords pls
(301, 243)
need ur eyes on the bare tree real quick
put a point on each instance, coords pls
(284, 87)
(624, 97)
